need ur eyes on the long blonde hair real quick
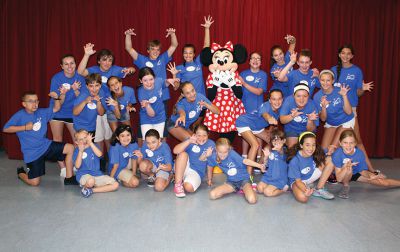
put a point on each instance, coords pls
(220, 142)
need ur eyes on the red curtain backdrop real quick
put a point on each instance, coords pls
(34, 34)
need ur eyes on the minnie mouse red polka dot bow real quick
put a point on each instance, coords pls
(216, 47)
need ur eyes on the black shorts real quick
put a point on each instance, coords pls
(355, 176)
(66, 120)
(238, 185)
(53, 153)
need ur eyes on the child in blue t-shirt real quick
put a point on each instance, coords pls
(123, 159)
(86, 159)
(306, 165)
(278, 61)
(191, 69)
(106, 68)
(124, 98)
(302, 74)
(89, 104)
(191, 161)
(234, 166)
(298, 114)
(274, 182)
(155, 161)
(350, 165)
(187, 111)
(30, 125)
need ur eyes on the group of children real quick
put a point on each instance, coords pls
(97, 116)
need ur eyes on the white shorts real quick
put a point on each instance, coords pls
(103, 130)
(146, 127)
(347, 125)
(98, 180)
(192, 177)
(240, 130)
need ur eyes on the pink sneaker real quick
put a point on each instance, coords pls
(179, 191)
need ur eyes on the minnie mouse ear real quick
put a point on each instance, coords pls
(206, 56)
(239, 53)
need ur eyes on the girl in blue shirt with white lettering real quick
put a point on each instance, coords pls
(306, 165)
(187, 111)
(190, 164)
(298, 113)
(234, 166)
(334, 109)
(274, 182)
(278, 62)
(350, 165)
(125, 98)
(123, 159)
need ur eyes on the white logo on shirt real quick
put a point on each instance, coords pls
(104, 79)
(305, 170)
(84, 155)
(250, 78)
(190, 68)
(125, 154)
(159, 63)
(159, 159)
(272, 156)
(336, 101)
(297, 119)
(121, 107)
(153, 99)
(37, 125)
(196, 149)
(257, 80)
(149, 64)
(91, 105)
(149, 153)
(312, 82)
(346, 160)
(350, 77)
(67, 86)
(192, 114)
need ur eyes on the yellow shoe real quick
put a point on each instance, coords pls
(217, 170)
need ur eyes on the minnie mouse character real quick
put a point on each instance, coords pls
(224, 87)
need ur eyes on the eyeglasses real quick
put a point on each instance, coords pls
(32, 101)
(256, 59)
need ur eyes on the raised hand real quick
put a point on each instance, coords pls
(290, 39)
(76, 85)
(207, 21)
(130, 32)
(276, 72)
(171, 67)
(315, 72)
(368, 86)
(293, 57)
(324, 102)
(111, 102)
(170, 31)
(180, 121)
(89, 138)
(344, 90)
(96, 98)
(209, 151)
(128, 70)
(312, 116)
(138, 153)
(81, 146)
(272, 121)
(295, 112)
(193, 139)
(88, 49)
(144, 103)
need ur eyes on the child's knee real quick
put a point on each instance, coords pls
(213, 195)
(188, 187)
(182, 155)
(68, 148)
(115, 185)
(301, 198)
(134, 182)
(90, 183)
(252, 198)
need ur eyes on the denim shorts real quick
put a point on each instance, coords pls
(124, 117)
(238, 185)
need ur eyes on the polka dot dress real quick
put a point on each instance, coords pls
(230, 108)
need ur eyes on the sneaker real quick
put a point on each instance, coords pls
(20, 170)
(70, 181)
(63, 172)
(150, 181)
(323, 193)
(344, 193)
(179, 191)
(332, 179)
(86, 192)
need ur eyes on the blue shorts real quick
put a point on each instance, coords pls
(53, 153)
(292, 134)
(280, 184)
(238, 185)
(124, 117)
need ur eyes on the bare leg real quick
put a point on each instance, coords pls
(180, 133)
(220, 191)
(252, 140)
(249, 194)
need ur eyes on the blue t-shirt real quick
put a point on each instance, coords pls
(162, 155)
(256, 121)
(193, 73)
(128, 98)
(87, 118)
(90, 163)
(277, 168)
(113, 71)
(159, 67)
(299, 123)
(301, 168)
(192, 109)
(258, 80)
(339, 158)
(335, 110)
(120, 155)
(283, 86)
(195, 151)
(294, 78)
(58, 80)
(353, 77)
(154, 96)
(232, 166)
(34, 143)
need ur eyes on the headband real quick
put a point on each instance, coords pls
(327, 71)
(306, 133)
(301, 86)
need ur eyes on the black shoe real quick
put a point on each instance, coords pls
(151, 180)
(103, 165)
(71, 181)
(20, 170)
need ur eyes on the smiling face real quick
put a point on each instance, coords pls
(202, 136)
(301, 98)
(308, 147)
(278, 56)
(348, 145)
(81, 138)
(223, 60)
(189, 92)
(255, 61)
(304, 63)
(346, 55)
(105, 63)
(94, 88)
(115, 85)
(222, 151)
(153, 143)
(30, 103)
(124, 138)
(148, 81)
(154, 52)
(276, 100)
(188, 54)
(68, 66)
(326, 81)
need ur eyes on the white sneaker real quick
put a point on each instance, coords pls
(323, 193)
(63, 172)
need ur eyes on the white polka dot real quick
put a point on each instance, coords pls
(229, 102)
(223, 124)
(229, 119)
(225, 113)
(223, 102)
(222, 130)
(215, 121)
(225, 92)
(217, 104)
(214, 127)
(228, 108)
(226, 97)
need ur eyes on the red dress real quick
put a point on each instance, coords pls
(230, 108)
